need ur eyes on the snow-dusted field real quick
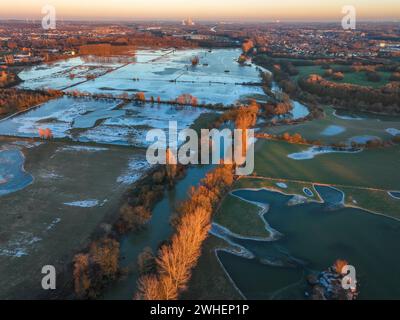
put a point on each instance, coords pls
(53, 195)
(101, 121)
(218, 78)
(314, 151)
(59, 116)
(62, 74)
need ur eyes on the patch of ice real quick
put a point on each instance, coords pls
(82, 148)
(299, 110)
(333, 130)
(114, 135)
(347, 117)
(86, 203)
(53, 224)
(19, 245)
(316, 150)
(50, 175)
(296, 200)
(13, 176)
(362, 139)
(134, 171)
(392, 131)
(26, 144)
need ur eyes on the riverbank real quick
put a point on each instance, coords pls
(265, 251)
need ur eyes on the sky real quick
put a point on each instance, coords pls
(256, 10)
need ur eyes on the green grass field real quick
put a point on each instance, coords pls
(376, 168)
(293, 187)
(209, 281)
(357, 78)
(314, 130)
(241, 218)
(375, 201)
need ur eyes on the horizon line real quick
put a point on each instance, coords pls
(155, 20)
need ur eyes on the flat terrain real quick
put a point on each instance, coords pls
(356, 78)
(164, 73)
(365, 178)
(75, 188)
(334, 128)
(67, 188)
(241, 218)
(374, 168)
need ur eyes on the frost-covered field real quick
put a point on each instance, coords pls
(63, 74)
(52, 196)
(55, 193)
(218, 78)
(101, 121)
(59, 116)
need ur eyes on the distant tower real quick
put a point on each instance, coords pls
(188, 22)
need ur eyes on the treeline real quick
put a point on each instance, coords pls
(105, 49)
(297, 138)
(140, 200)
(282, 108)
(8, 79)
(315, 89)
(282, 71)
(14, 100)
(182, 100)
(242, 117)
(91, 274)
(96, 266)
(167, 275)
(354, 97)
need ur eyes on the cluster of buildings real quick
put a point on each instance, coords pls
(27, 43)
(331, 41)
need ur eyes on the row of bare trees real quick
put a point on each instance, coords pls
(176, 259)
(93, 269)
(165, 276)
(14, 100)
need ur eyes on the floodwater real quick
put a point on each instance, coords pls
(364, 240)
(53, 197)
(165, 73)
(13, 176)
(311, 152)
(91, 134)
(103, 121)
(156, 231)
(333, 130)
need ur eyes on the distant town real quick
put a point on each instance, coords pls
(23, 43)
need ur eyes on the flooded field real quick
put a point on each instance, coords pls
(51, 207)
(55, 194)
(159, 73)
(345, 128)
(158, 229)
(277, 269)
(105, 121)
